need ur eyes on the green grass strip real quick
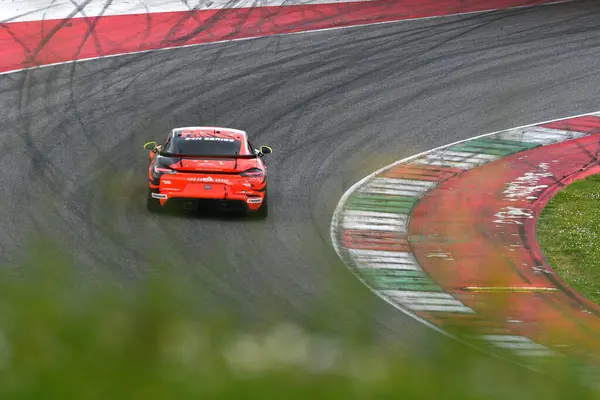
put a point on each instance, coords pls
(569, 233)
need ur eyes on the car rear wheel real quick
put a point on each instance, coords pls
(152, 204)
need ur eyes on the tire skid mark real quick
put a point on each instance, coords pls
(196, 26)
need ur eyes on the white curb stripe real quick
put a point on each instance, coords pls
(405, 294)
(380, 254)
(371, 226)
(428, 301)
(538, 353)
(384, 259)
(398, 187)
(393, 192)
(456, 159)
(539, 135)
(434, 308)
(423, 300)
(408, 266)
(522, 345)
(375, 215)
(407, 184)
(382, 222)
(504, 338)
(516, 346)
(375, 221)
(396, 219)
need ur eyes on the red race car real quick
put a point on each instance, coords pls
(208, 166)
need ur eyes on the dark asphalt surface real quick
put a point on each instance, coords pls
(333, 105)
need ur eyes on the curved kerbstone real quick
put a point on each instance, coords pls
(448, 236)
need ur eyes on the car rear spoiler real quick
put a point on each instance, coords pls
(239, 156)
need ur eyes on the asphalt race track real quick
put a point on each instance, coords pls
(333, 105)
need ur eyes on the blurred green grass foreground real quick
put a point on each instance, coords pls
(63, 339)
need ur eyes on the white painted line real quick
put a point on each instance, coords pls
(357, 26)
(539, 135)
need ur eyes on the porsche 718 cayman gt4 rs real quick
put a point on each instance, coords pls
(208, 165)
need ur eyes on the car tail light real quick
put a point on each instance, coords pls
(253, 172)
(158, 171)
(161, 170)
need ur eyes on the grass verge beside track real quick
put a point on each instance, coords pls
(62, 337)
(569, 233)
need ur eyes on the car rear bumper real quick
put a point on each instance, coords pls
(238, 202)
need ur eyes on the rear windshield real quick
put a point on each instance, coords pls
(203, 146)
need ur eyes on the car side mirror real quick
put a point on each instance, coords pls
(265, 150)
(151, 146)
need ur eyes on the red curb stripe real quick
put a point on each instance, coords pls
(379, 246)
(373, 240)
(484, 221)
(587, 124)
(28, 44)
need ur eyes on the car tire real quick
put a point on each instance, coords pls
(152, 204)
